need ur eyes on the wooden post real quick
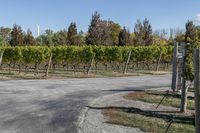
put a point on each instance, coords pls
(48, 66)
(174, 74)
(158, 61)
(179, 72)
(197, 88)
(126, 65)
(184, 88)
(91, 64)
(1, 57)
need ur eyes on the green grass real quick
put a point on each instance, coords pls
(155, 97)
(146, 124)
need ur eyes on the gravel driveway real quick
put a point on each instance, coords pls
(54, 106)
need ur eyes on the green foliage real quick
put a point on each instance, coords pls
(12, 54)
(115, 30)
(17, 36)
(191, 40)
(124, 37)
(84, 54)
(72, 34)
(28, 38)
(143, 33)
(1, 45)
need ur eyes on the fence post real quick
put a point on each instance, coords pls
(158, 61)
(197, 88)
(174, 74)
(184, 87)
(1, 57)
(91, 64)
(126, 65)
(48, 66)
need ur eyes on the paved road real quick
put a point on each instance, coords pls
(53, 106)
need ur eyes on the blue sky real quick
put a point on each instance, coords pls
(57, 14)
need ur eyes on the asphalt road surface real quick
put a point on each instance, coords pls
(54, 106)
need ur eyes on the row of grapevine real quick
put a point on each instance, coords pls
(75, 55)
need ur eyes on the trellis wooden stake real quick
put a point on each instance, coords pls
(127, 62)
(174, 74)
(158, 61)
(197, 88)
(91, 64)
(48, 66)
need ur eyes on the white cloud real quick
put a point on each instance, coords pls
(197, 19)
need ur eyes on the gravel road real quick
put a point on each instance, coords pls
(55, 106)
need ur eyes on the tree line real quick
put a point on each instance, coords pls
(100, 32)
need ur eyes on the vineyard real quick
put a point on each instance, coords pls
(84, 59)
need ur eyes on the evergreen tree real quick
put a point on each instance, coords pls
(72, 34)
(147, 30)
(115, 30)
(16, 36)
(106, 32)
(143, 33)
(62, 37)
(124, 37)
(81, 38)
(94, 31)
(48, 37)
(138, 31)
(191, 32)
(28, 38)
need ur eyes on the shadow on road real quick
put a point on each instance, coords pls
(142, 88)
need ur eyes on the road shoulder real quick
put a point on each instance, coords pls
(92, 120)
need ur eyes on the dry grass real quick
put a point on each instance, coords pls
(146, 124)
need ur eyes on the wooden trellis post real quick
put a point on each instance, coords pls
(197, 88)
(91, 64)
(174, 74)
(184, 87)
(127, 62)
(48, 65)
(1, 57)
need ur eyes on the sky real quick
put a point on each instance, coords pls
(58, 14)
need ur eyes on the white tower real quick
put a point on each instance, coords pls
(38, 30)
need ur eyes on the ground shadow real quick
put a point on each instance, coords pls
(166, 115)
(142, 88)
